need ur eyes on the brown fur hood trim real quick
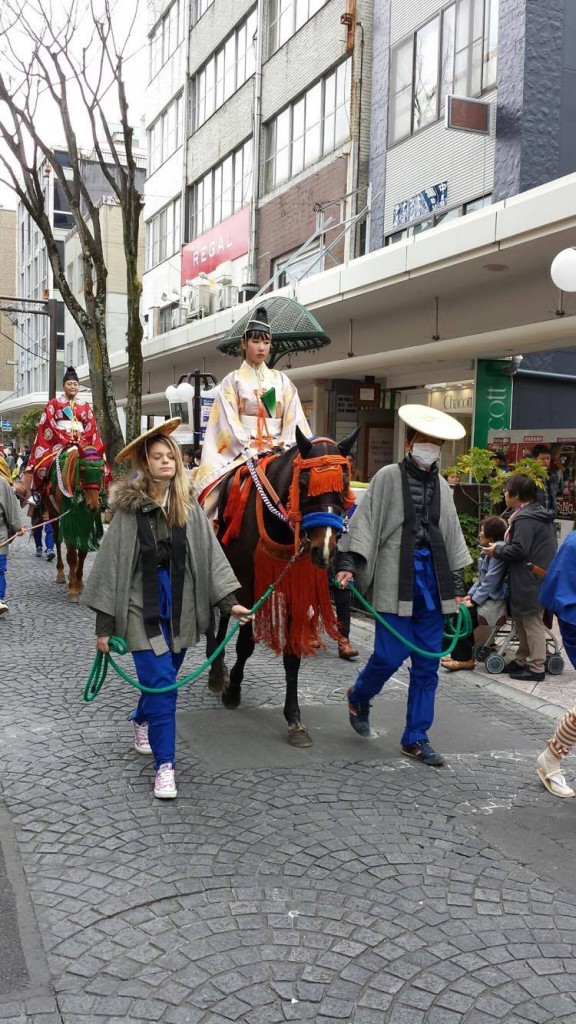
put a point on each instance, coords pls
(128, 495)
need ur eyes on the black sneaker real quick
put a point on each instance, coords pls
(527, 675)
(359, 715)
(423, 752)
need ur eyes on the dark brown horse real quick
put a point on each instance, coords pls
(301, 513)
(74, 491)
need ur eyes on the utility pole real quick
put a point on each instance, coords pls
(49, 308)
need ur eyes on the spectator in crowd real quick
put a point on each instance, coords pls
(529, 543)
(554, 482)
(46, 529)
(486, 597)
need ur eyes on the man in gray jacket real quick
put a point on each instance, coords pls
(407, 549)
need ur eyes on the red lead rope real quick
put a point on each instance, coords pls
(27, 529)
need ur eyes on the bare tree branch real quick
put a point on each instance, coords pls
(64, 58)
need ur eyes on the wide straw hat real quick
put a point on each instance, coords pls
(153, 434)
(431, 422)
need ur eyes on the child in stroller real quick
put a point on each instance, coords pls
(486, 598)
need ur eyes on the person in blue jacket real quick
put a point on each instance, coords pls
(558, 593)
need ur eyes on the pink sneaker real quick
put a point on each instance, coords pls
(165, 785)
(141, 743)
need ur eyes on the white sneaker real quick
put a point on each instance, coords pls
(548, 768)
(141, 743)
(3, 607)
(165, 785)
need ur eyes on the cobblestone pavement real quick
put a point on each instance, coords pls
(337, 884)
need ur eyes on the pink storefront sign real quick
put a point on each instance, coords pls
(226, 241)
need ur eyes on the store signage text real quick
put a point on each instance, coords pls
(227, 241)
(427, 201)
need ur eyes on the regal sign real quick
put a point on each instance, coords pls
(226, 241)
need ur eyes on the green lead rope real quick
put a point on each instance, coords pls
(453, 630)
(102, 661)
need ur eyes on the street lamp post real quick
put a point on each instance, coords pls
(563, 270)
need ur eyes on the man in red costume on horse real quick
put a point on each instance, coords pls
(64, 422)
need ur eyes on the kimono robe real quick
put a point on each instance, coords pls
(241, 426)
(62, 422)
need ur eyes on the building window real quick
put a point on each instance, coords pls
(163, 234)
(416, 228)
(287, 16)
(310, 127)
(199, 7)
(226, 70)
(165, 135)
(166, 37)
(220, 193)
(63, 218)
(455, 52)
(290, 268)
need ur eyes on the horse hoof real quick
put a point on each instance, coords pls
(231, 700)
(58, 580)
(73, 598)
(215, 683)
(298, 736)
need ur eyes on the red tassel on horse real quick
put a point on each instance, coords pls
(325, 479)
(236, 504)
(299, 610)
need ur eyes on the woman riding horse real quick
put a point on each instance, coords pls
(64, 421)
(286, 524)
(257, 409)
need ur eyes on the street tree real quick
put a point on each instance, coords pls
(63, 78)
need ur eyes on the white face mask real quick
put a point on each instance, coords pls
(425, 454)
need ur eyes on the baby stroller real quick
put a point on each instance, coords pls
(493, 650)
(503, 635)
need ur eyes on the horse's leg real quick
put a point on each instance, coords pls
(298, 735)
(80, 571)
(218, 675)
(60, 577)
(232, 690)
(72, 559)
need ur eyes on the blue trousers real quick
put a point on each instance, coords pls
(425, 628)
(48, 536)
(568, 634)
(3, 571)
(158, 670)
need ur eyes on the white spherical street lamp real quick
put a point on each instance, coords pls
(563, 270)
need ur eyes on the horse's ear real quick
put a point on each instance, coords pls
(345, 446)
(304, 443)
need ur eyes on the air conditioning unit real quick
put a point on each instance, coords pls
(227, 296)
(178, 317)
(198, 301)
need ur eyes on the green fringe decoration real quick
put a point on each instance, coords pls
(80, 528)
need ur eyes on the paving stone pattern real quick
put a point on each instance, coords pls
(358, 891)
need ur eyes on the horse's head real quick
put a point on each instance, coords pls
(91, 477)
(81, 475)
(320, 493)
